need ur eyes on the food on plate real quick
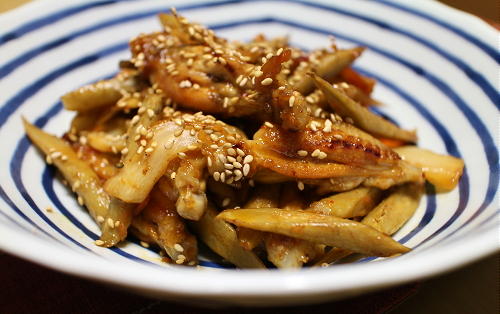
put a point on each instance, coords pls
(268, 154)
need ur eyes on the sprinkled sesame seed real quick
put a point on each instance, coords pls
(209, 161)
(222, 177)
(226, 201)
(246, 169)
(222, 158)
(178, 133)
(237, 164)
(99, 242)
(280, 51)
(258, 73)
(143, 142)
(214, 137)
(144, 244)
(228, 166)
(237, 175)
(231, 151)
(80, 200)
(240, 152)
(248, 159)
(76, 185)
(149, 150)
(214, 146)
(181, 155)
(151, 113)
(243, 81)
(135, 119)
(124, 151)
(192, 147)
(338, 136)
(264, 60)
(281, 88)
(267, 81)
(328, 126)
(315, 153)
(178, 247)
(322, 155)
(302, 153)
(111, 223)
(216, 176)
(117, 223)
(100, 219)
(140, 149)
(268, 124)
(231, 159)
(300, 185)
(291, 101)
(154, 144)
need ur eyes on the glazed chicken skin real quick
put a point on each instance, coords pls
(247, 147)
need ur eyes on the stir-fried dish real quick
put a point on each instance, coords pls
(268, 154)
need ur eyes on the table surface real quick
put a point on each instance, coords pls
(472, 289)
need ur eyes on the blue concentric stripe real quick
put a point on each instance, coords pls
(492, 52)
(43, 21)
(490, 91)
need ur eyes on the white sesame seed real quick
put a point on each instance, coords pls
(216, 176)
(172, 175)
(269, 124)
(80, 200)
(181, 155)
(237, 164)
(222, 177)
(178, 133)
(258, 73)
(300, 185)
(226, 201)
(338, 136)
(124, 151)
(240, 152)
(328, 126)
(248, 159)
(322, 155)
(231, 159)
(267, 81)
(100, 219)
(291, 101)
(144, 244)
(178, 247)
(117, 223)
(140, 150)
(214, 137)
(243, 81)
(151, 113)
(302, 153)
(231, 151)
(280, 51)
(76, 185)
(281, 88)
(143, 142)
(222, 158)
(209, 161)
(111, 223)
(246, 169)
(99, 242)
(315, 153)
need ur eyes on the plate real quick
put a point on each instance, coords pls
(437, 71)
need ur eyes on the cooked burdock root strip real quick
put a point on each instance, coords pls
(284, 251)
(139, 130)
(355, 203)
(116, 222)
(189, 179)
(101, 94)
(328, 66)
(221, 237)
(443, 171)
(361, 116)
(387, 217)
(144, 168)
(264, 196)
(318, 228)
(159, 220)
(324, 140)
(85, 183)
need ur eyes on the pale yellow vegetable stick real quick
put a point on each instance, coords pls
(264, 196)
(354, 203)
(360, 115)
(443, 171)
(329, 230)
(83, 180)
(219, 236)
(388, 217)
(284, 251)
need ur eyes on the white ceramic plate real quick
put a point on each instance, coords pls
(437, 69)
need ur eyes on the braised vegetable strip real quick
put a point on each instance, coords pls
(263, 151)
